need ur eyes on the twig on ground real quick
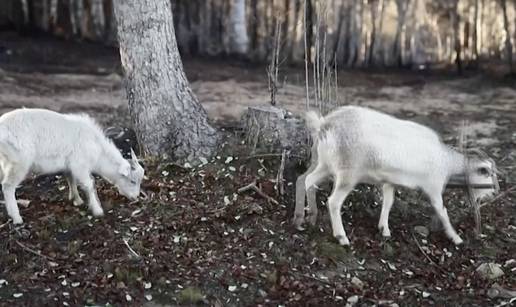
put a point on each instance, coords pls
(501, 195)
(298, 275)
(270, 155)
(33, 251)
(254, 187)
(130, 249)
(512, 300)
(279, 177)
(5, 224)
(426, 256)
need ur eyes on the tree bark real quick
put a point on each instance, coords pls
(475, 31)
(168, 118)
(455, 17)
(402, 7)
(238, 38)
(508, 44)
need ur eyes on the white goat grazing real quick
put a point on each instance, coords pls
(46, 142)
(359, 145)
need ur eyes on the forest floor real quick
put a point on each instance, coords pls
(195, 240)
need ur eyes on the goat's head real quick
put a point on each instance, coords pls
(130, 177)
(482, 171)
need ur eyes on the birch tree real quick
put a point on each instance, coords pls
(507, 27)
(402, 7)
(168, 118)
(238, 38)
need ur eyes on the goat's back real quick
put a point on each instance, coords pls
(48, 137)
(359, 138)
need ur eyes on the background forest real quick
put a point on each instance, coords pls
(354, 33)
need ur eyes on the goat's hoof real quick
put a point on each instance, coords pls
(457, 240)
(343, 240)
(312, 219)
(98, 213)
(297, 221)
(78, 202)
(386, 233)
(17, 220)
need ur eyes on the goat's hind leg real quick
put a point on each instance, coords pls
(313, 178)
(388, 199)
(341, 190)
(301, 194)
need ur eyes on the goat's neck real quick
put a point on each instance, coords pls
(457, 163)
(109, 163)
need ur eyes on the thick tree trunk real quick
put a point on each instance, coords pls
(167, 117)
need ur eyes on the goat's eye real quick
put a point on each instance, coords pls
(133, 181)
(483, 171)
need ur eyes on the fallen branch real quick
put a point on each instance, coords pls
(426, 256)
(512, 300)
(298, 275)
(130, 249)
(254, 187)
(271, 155)
(5, 224)
(33, 251)
(279, 178)
(501, 195)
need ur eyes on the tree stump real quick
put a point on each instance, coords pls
(270, 129)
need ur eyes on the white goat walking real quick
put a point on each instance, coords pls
(359, 145)
(46, 142)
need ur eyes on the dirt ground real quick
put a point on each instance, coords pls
(196, 241)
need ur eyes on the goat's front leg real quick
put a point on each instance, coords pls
(11, 204)
(73, 192)
(437, 202)
(339, 194)
(388, 199)
(12, 176)
(88, 184)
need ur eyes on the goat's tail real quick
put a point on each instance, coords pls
(314, 121)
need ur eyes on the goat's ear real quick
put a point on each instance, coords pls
(124, 169)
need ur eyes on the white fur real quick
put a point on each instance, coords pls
(46, 142)
(359, 145)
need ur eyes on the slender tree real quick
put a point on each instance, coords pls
(168, 118)
(508, 43)
(238, 38)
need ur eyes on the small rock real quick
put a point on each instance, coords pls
(262, 293)
(422, 231)
(352, 300)
(232, 288)
(357, 283)
(489, 271)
